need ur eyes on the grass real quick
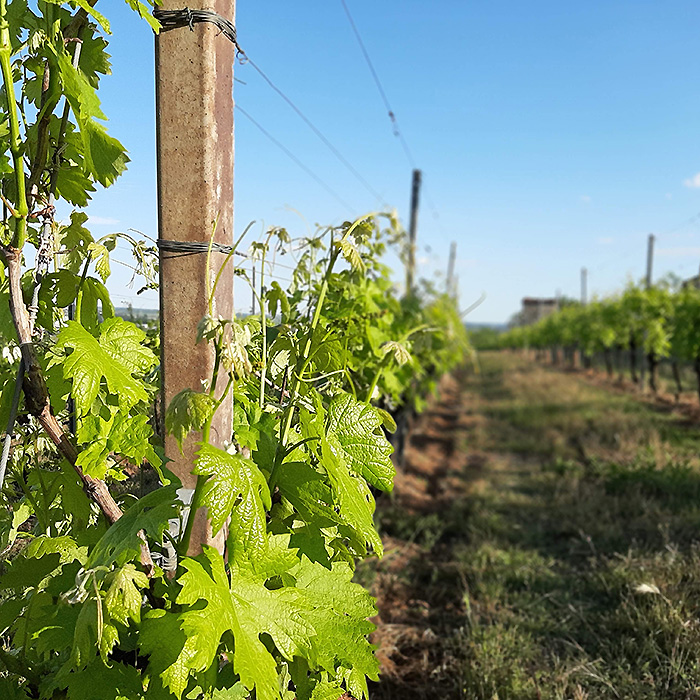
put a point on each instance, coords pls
(568, 566)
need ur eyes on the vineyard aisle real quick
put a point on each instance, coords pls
(541, 542)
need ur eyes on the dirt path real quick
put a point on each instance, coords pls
(541, 542)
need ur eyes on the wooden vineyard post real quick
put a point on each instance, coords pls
(451, 285)
(413, 226)
(650, 356)
(195, 146)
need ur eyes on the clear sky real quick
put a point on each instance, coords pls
(551, 135)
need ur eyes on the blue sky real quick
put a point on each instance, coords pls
(551, 135)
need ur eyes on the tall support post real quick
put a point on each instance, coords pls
(650, 258)
(650, 357)
(194, 122)
(451, 285)
(411, 265)
(584, 286)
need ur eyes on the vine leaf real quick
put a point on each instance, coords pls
(356, 501)
(247, 608)
(365, 448)
(116, 681)
(235, 487)
(87, 6)
(76, 241)
(104, 157)
(165, 643)
(122, 434)
(99, 252)
(123, 600)
(144, 12)
(91, 631)
(398, 350)
(276, 295)
(338, 612)
(121, 543)
(351, 255)
(124, 342)
(91, 361)
(189, 410)
(308, 492)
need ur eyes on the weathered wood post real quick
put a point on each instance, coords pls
(194, 116)
(412, 228)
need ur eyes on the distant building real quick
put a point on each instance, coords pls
(535, 309)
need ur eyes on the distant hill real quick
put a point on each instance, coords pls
(129, 313)
(500, 327)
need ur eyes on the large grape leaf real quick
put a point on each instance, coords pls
(248, 609)
(116, 682)
(235, 487)
(124, 341)
(122, 434)
(309, 493)
(90, 363)
(353, 495)
(320, 616)
(367, 451)
(121, 543)
(105, 158)
(338, 610)
(168, 649)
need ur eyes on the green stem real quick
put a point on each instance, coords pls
(21, 206)
(201, 480)
(263, 321)
(79, 292)
(307, 346)
(217, 365)
(223, 265)
(208, 268)
(377, 374)
(194, 507)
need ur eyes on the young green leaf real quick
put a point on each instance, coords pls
(90, 362)
(355, 499)
(105, 158)
(356, 425)
(338, 613)
(123, 599)
(244, 607)
(121, 543)
(235, 487)
(90, 10)
(189, 410)
(399, 351)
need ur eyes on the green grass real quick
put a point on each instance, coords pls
(576, 552)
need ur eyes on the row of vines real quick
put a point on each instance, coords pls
(99, 598)
(647, 325)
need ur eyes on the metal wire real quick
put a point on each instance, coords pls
(183, 248)
(175, 19)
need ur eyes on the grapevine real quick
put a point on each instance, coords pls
(91, 608)
(658, 320)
